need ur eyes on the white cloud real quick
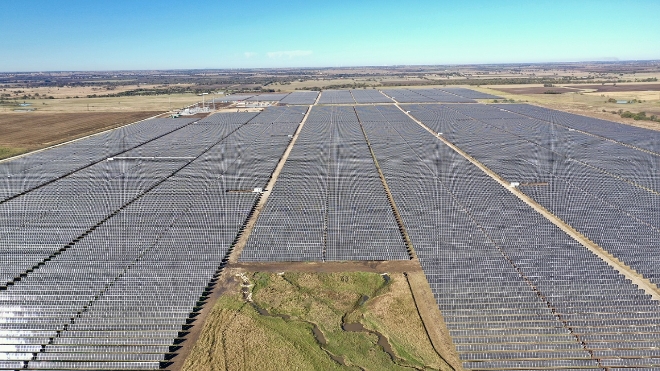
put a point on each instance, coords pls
(289, 54)
(250, 54)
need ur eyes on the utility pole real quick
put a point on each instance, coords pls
(203, 94)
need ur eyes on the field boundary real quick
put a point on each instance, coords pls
(432, 319)
(77, 139)
(225, 281)
(370, 266)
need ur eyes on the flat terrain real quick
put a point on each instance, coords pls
(63, 92)
(105, 104)
(315, 321)
(536, 90)
(620, 87)
(22, 132)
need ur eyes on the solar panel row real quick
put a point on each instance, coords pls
(300, 97)
(28, 172)
(576, 176)
(328, 202)
(268, 97)
(469, 93)
(119, 295)
(605, 312)
(424, 96)
(634, 136)
(369, 96)
(336, 97)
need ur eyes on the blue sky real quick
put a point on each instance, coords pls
(143, 34)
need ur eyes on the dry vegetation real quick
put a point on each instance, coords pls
(108, 104)
(237, 337)
(76, 91)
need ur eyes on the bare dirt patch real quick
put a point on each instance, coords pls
(618, 87)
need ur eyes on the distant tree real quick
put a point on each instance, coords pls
(640, 116)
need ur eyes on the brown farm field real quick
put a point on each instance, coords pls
(22, 132)
(606, 88)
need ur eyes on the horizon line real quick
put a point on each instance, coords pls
(343, 67)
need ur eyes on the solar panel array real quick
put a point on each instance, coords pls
(424, 96)
(29, 172)
(369, 96)
(300, 97)
(604, 189)
(234, 98)
(329, 202)
(469, 93)
(268, 97)
(515, 291)
(336, 97)
(634, 136)
(280, 115)
(106, 268)
(609, 316)
(111, 244)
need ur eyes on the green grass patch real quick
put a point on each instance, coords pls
(6, 152)
(237, 336)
